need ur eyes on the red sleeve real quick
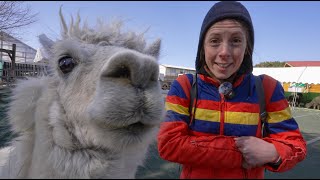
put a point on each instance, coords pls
(285, 134)
(291, 148)
(176, 145)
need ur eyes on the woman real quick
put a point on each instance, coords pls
(224, 138)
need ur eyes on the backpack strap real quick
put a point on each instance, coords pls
(262, 103)
(193, 99)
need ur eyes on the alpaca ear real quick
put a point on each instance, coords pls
(154, 48)
(63, 25)
(47, 44)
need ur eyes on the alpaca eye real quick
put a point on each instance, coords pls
(66, 64)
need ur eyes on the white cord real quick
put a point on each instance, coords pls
(293, 104)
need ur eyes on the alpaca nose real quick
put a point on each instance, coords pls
(138, 68)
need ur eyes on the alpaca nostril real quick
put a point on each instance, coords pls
(135, 68)
(122, 71)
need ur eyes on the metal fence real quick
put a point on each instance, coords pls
(8, 74)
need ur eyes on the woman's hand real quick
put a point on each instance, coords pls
(255, 151)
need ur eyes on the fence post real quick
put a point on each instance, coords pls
(13, 60)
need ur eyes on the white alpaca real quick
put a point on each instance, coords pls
(95, 115)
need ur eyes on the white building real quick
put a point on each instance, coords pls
(291, 74)
(24, 53)
(40, 57)
(170, 72)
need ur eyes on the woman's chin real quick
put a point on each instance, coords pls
(222, 76)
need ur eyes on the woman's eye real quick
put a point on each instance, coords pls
(237, 41)
(214, 42)
(66, 64)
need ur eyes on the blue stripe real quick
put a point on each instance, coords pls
(283, 126)
(174, 116)
(229, 129)
(278, 93)
(246, 91)
(207, 91)
(176, 90)
(190, 77)
(206, 126)
(240, 130)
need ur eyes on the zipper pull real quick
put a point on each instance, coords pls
(222, 114)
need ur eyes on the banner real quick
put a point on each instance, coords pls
(298, 87)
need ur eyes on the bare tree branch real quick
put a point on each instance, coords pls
(13, 15)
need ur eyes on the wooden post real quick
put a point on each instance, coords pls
(13, 60)
(12, 55)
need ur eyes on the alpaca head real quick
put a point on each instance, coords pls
(95, 114)
(106, 84)
(308, 105)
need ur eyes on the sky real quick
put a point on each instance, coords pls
(284, 30)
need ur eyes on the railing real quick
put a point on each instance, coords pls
(21, 71)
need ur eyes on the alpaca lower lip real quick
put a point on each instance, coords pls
(137, 125)
(133, 129)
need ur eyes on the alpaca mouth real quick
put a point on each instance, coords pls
(136, 125)
(136, 128)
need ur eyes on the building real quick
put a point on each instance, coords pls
(301, 63)
(24, 53)
(168, 73)
(24, 60)
(40, 57)
(295, 79)
(171, 72)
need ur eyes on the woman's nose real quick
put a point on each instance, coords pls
(225, 49)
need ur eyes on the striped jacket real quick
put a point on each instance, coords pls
(206, 148)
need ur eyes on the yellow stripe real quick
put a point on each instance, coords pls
(278, 116)
(231, 117)
(177, 108)
(207, 115)
(242, 118)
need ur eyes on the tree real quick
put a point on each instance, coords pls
(14, 15)
(270, 64)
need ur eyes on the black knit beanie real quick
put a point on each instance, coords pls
(223, 10)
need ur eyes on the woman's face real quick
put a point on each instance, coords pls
(224, 48)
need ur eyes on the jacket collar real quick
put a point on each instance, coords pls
(216, 83)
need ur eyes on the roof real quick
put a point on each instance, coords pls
(291, 74)
(178, 67)
(301, 63)
(17, 40)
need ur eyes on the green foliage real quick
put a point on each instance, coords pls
(6, 135)
(270, 64)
